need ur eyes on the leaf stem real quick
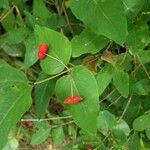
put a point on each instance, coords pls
(57, 60)
(46, 119)
(128, 103)
(50, 78)
(144, 68)
(63, 124)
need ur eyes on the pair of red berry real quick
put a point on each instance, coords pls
(43, 48)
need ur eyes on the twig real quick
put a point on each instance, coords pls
(18, 12)
(63, 124)
(144, 68)
(67, 18)
(50, 78)
(115, 101)
(46, 119)
(6, 14)
(128, 103)
(108, 95)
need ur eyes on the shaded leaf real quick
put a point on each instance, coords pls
(87, 42)
(100, 18)
(43, 93)
(15, 98)
(58, 136)
(142, 123)
(132, 7)
(104, 77)
(121, 81)
(138, 37)
(40, 136)
(31, 51)
(106, 121)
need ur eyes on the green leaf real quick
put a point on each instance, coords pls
(142, 123)
(106, 121)
(144, 56)
(83, 83)
(119, 137)
(58, 136)
(59, 49)
(138, 37)
(134, 142)
(4, 4)
(142, 87)
(40, 136)
(15, 98)
(46, 18)
(31, 51)
(121, 81)
(122, 125)
(39, 5)
(15, 36)
(14, 50)
(43, 93)
(87, 42)
(148, 133)
(8, 22)
(104, 77)
(106, 17)
(132, 7)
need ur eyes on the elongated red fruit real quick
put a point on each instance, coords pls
(72, 100)
(43, 48)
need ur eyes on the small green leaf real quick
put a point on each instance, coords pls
(144, 56)
(8, 22)
(104, 77)
(15, 98)
(15, 36)
(4, 4)
(134, 142)
(31, 51)
(43, 93)
(87, 42)
(105, 17)
(141, 87)
(46, 18)
(106, 121)
(138, 37)
(122, 125)
(142, 123)
(148, 133)
(40, 136)
(59, 50)
(83, 83)
(132, 7)
(14, 50)
(58, 135)
(121, 81)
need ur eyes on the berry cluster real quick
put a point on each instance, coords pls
(43, 48)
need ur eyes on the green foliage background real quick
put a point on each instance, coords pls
(98, 49)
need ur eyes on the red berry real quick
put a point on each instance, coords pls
(72, 100)
(43, 48)
(41, 55)
(89, 148)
